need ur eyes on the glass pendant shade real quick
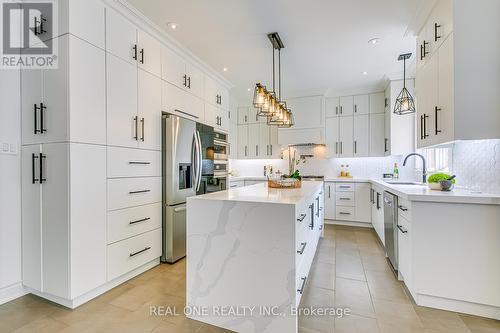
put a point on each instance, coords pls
(404, 103)
(259, 95)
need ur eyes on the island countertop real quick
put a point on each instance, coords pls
(261, 193)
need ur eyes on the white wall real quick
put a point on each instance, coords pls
(10, 187)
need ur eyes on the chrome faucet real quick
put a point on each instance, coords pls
(424, 170)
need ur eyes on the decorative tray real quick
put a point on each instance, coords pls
(286, 183)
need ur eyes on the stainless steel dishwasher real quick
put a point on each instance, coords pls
(390, 228)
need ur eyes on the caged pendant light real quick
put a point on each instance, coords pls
(269, 103)
(404, 103)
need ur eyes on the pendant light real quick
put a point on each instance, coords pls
(404, 103)
(269, 103)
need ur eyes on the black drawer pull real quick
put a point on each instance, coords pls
(142, 56)
(42, 158)
(344, 213)
(142, 129)
(141, 220)
(302, 248)
(140, 163)
(403, 208)
(436, 36)
(302, 217)
(344, 186)
(140, 251)
(135, 52)
(402, 230)
(436, 130)
(141, 191)
(344, 198)
(301, 289)
(33, 177)
(136, 124)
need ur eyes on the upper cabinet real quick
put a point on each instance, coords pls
(361, 104)
(346, 106)
(457, 97)
(133, 45)
(331, 107)
(307, 111)
(216, 94)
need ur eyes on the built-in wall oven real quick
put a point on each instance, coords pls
(215, 151)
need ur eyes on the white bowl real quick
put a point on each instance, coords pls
(434, 186)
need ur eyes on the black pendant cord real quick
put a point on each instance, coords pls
(274, 70)
(404, 72)
(279, 72)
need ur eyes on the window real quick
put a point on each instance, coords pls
(438, 159)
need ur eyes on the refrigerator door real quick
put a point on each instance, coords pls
(174, 233)
(180, 159)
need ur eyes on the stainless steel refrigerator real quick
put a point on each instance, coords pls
(181, 176)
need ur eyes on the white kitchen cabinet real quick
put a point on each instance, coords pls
(405, 252)
(177, 101)
(428, 100)
(377, 102)
(121, 36)
(362, 208)
(361, 104)
(148, 53)
(443, 128)
(67, 103)
(377, 212)
(243, 115)
(128, 162)
(331, 107)
(222, 120)
(329, 190)
(377, 134)
(129, 222)
(345, 198)
(61, 214)
(307, 111)
(346, 104)
(196, 81)
(149, 111)
(346, 134)
(254, 149)
(274, 146)
(233, 140)
(132, 192)
(264, 140)
(243, 142)
(332, 136)
(361, 135)
(216, 94)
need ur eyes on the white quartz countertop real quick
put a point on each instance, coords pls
(241, 178)
(261, 193)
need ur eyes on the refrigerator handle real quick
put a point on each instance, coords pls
(199, 162)
(194, 160)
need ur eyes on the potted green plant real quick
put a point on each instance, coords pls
(434, 181)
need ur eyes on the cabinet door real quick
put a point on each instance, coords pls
(148, 53)
(210, 93)
(196, 106)
(254, 150)
(87, 93)
(55, 213)
(264, 140)
(377, 103)
(361, 104)
(329, 201)
(346, 104)
(196, 80)
(173, 68)
(224, 119)
(211, 115)
(307, 111)
(243, 115)
(121, 36)
(362, 207)
(243, 141)
(224, 98)
(121, 102)
(273, 142)
(377, 134)
(31, 94)
(149, 110)
(332, 136)
(233, 140)
(387, 133)
(404, 251)
(428, 99)
(332, 107)
(443, 126)
(346, 135)
(439, 24)
(361, 135)
(75, 20)
(31, 216)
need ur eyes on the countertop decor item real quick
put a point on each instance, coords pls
(434, 181)
(286, 181)
(447, 184)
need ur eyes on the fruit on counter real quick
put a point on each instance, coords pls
(437, 177)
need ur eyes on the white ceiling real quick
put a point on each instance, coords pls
(326, 41)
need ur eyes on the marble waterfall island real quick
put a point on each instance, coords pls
(249, 252)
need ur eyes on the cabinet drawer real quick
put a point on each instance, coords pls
(344, 187)
(128, 254)
(131, 192)
(128, 222)
(344, 213)
(344, 199)
(126, 162)
(404, 209)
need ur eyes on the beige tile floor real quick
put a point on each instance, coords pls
(349, 271)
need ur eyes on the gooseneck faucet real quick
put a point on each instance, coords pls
(424, 170)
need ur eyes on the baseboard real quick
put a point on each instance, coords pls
(349, 223)
(11, 292)
(481, 310)
(76, 302)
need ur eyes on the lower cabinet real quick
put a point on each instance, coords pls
(346, 201)
(377, 209)
(329, 200)
(405, 251)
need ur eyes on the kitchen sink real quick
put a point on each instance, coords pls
(396, 182)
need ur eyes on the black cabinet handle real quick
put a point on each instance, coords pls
(142, 129)
(134, 48)
(378, 201)
(344, 198)
(36, 109)
(341, 109)
(386, 141)
(185, 80)
(371, 195)
(355, 108)
(302, 248)
(436, 130)
(42, 118)
(140, 251)
(402, 230)
(136, 125)
(137, 192)
(425, 126)
(436, 26)
(138, 221)
(317, 206)
(42, 158)
(336, 147)
(341, 147)
(35, 117)
(423, 50)
(33, 174)
(336, 110)
(329, 191)
(344, 213)
(142, 56)
(311, 226)
(355, 147)
(403, 208)
(189, 82)
(138, 162)
(301, 289)
(421, 127)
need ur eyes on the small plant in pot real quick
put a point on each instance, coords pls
(441, 182)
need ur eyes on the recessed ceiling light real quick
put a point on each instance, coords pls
(225, 69)
(374, 41)
(364, 73)
(172, 25)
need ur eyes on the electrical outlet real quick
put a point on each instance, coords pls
(7, 148)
